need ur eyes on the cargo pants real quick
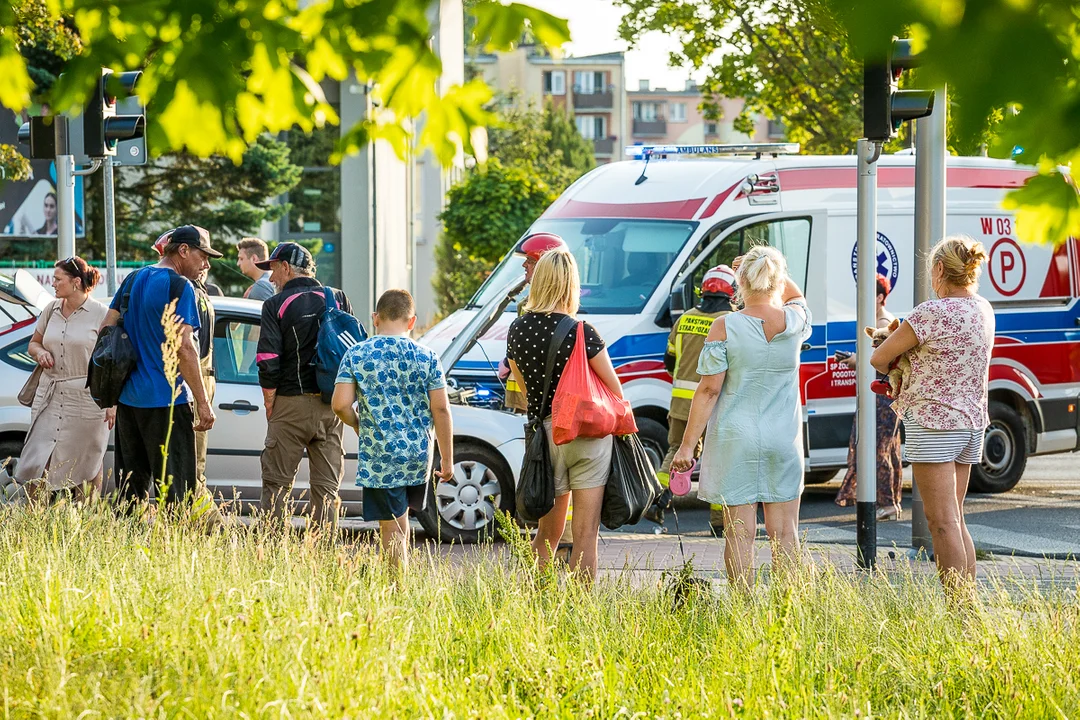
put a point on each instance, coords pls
(299, 423)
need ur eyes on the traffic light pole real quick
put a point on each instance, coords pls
(65, 191)
(110, 227)
(930, 183)
(866, 427)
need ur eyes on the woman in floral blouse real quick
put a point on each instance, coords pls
(943, 402)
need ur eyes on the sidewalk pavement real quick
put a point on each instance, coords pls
(648, 556)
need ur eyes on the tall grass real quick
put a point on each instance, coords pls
(106, 616)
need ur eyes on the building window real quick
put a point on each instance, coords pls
(776, 129)
(710, 128)
(647, 111)
(592, 127)
(589, 82)
(678, 112)
(554, 82)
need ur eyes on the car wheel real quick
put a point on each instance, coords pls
(10, 450)
(463, 509)
(817, 477)
(653, 436)
(1004, 451)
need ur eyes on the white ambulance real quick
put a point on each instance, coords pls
(644, 232)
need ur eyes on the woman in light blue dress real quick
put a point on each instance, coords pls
(749, 396)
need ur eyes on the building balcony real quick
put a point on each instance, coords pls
(604, 146)
(646, 128)
(599, 99)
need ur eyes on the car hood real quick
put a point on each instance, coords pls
(22, 289)
(481, 320)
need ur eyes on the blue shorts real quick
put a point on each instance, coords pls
(392, 503)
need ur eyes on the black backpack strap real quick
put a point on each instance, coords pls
(125, 294)
(561, 331)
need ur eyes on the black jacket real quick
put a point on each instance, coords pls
(290, 330)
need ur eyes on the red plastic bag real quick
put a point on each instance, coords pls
(583, 406)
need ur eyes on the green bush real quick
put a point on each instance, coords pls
(484, 216)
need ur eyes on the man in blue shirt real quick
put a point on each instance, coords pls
(400, 390)
(142, 415)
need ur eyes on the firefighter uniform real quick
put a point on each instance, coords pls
(684, 344)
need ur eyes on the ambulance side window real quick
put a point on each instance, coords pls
(791, 236)
(728, 249)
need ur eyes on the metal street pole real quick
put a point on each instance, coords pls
(930, 183)
(65, 191)
(866, 428)
(110, 227)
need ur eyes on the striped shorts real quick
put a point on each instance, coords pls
(927, 445)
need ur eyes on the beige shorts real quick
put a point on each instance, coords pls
(579, 464)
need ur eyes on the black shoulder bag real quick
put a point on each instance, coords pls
(113, 359)
(535, 496)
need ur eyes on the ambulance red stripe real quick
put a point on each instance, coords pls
(673, 210)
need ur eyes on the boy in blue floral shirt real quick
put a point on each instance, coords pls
(399, 392)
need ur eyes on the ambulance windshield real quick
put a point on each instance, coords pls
(621, 261)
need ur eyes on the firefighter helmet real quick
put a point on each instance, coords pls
(162, 241)
(535, 245)
(720, 280)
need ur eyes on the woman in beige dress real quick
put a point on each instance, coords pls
(68, 432)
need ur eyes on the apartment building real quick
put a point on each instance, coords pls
(591, 87)
(662, 116)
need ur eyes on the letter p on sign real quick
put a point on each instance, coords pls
(1008, 268)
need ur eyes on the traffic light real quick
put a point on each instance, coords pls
(102, 127)
(40, 135)
(885, 107)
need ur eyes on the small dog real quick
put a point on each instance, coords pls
(899, 371)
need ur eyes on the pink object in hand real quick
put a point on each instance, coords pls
(679, 482)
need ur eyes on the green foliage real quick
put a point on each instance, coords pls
(535, 156)
(996, 54)
(13, 166)
(545, 141)
(784, 57)
(484, 215)
(107, 616)
(220, 74)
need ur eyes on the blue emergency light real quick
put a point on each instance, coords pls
(645, 152)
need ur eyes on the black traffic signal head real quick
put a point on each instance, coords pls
(885, 107)
(102, 127)
(40, 135)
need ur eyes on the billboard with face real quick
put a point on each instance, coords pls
(28, 207)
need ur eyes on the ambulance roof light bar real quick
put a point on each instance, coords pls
(644, 152)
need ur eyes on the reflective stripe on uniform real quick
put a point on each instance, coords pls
(683, 389)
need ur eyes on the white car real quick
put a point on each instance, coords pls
(488, 444)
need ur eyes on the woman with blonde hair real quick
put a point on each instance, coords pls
(581, 466)
(749, 396)
(68, 432)
(943, 403)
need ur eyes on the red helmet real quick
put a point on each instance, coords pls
(720, 280)
(535, 245)
(162, 241)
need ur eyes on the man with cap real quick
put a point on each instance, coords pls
(204, 501)
(149, 402)
(531, 247)
(297, 418)
(685, 343)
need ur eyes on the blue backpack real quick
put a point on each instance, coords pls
(338, 333)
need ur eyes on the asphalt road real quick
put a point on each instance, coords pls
(1039, 517)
